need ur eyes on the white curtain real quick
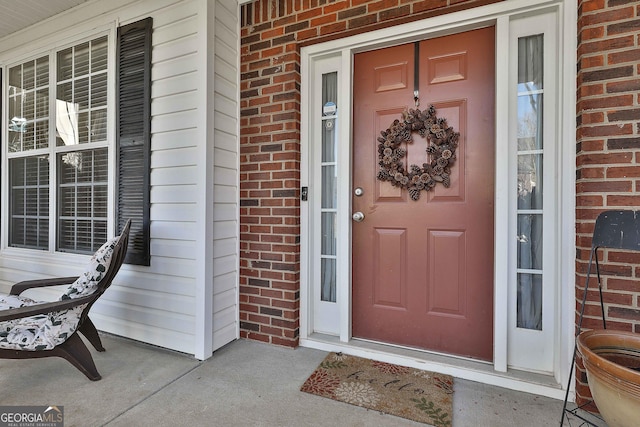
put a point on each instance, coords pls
(329, 189)
(530, 189)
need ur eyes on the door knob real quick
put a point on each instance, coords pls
(358, 217)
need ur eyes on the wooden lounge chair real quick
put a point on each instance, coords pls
(32, 329)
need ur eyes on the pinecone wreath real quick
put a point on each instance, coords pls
(442, 142)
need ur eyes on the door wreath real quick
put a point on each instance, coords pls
(442, 142)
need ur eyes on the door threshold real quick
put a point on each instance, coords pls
(468, 369)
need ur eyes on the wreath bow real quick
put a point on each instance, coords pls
(442, 142)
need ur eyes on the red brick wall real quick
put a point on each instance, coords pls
(608, 155)
(272, 33)
(608, 145)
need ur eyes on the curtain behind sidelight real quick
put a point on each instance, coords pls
(530, 188)
(329, 189)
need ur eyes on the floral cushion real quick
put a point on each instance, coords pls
(94, 272)
(39, 332)
(45, 331)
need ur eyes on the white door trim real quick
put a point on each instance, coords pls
(498, 14)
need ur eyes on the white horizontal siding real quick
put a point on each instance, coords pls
(172, 248)
(162, 284)
(134, 329)
(225, 194)
(224, 230)
(225, 247)
(178, 157)
(157, 304)
(226, 212)
(176, 66)
(183, 175)
(175, 193)
(173, 211)
(185, 101)
(175, 230)
(144, 298)
(173, 121)
(226, 174)
(225, 141)
(174, 84)
(174, 164)
(166, 140)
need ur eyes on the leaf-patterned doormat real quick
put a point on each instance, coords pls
(409, 393)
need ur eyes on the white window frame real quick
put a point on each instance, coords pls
(23, 54)
(499, 14)
(327, 314)
(532, 349)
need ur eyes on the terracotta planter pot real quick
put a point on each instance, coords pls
(612, 361)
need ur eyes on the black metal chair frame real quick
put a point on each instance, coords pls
(614, 229)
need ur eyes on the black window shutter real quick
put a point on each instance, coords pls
(133, 136)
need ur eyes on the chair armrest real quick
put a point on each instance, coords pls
(44, 308)
(20, 287)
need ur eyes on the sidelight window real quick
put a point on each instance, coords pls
(329, 187)
(530, 184)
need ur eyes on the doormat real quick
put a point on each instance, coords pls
(409, 393)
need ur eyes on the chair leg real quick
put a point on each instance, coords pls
(91, 333)
(77, 353)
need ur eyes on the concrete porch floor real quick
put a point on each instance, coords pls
(246, 383)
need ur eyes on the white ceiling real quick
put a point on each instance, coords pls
(18, 14)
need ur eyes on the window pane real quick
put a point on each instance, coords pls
(65, 64)
(81, 59)
(28, 104)
(15, 108)
(328, 233)
(82, 94)
(328, 277)
(83, 127)
(29, 202)
(99, 54)
(82, 191)
(530, 122)
(42, 134)
(15, 76)
(530, 62)
(529, 310)
(42, 72)
(65, 92)
(29, 75)
(329, 183)
(98, 126)
(42, 104)
(530, 181)
(99, 90)
(530, 242)
(329, 102)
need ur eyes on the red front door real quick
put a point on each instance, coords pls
(423, 270)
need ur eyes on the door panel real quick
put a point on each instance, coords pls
(423, 270)
(390, 286)
(447, 259)
(385, 192)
